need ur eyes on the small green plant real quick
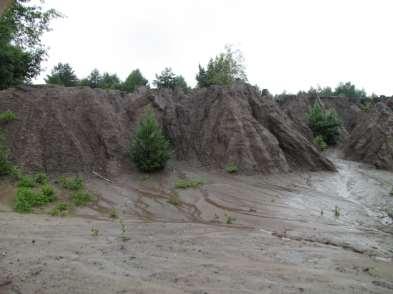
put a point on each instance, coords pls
(5, 165)
(61, 209)
(231, 168)
(71, 183)
(26, 198)
(185, 184)
(113, 213)
(229, 219)
(318, 141)
(149, 148)
(174, 199)
(7, 116)
(27, 182)
(81, 198)
(123, 231)
(48, 192)
(337, 212)
(391, 192)
(94, 232)
(40, 178)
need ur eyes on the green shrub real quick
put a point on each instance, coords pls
(40, 178)
(81, 198)
(149, 148)
(318, 141)
(26, 182)
(72, 183)
(48, 192)
(27, 198)
(61, 209)
(185, 184)
(7, 116)
(174, 199)
(231, 168)
(324, 123)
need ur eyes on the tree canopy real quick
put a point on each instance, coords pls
(21, 49)
(224, 69)
(167, 79)
(134, 80)
(62, 74)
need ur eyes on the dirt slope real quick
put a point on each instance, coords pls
(80, 129)
(371, 140)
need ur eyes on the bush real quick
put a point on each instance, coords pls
(40, 178)
(324, 123)
(81, 198)
(48, 192)
(27, 198)
(185, 184)
(73, 183)
(231, 168)
(149, 149)
(174, 199)
(133, 81)
(26, 182)
(318, 141)
(7, 116)
(61, 209)
(62, 74)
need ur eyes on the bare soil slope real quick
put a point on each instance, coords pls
(81, 129)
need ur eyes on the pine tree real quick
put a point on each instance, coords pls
(149, 149)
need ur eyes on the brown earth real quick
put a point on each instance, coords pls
(371, 140)
(81, 129)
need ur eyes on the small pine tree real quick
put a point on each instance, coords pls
(149, 149)
(134, 80)
(62, 74)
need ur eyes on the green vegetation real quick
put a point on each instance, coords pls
(40, 178)
(113, 213)
(337, 212)
(7, 116)
(231, 168)
(324, 123)
(349, 90)
(94, 232)
(185, 184)
(26, 181)
(104, 81)
(48, 191)
(81, 198)
(62, 74)
(149, 149)
(229, 219)
(71, 183)
(5, 165)
(318, 141)
(27, 198)
(224, 69)
(61, 209)
(391, 192)
(167, 79)
(134, 80)
(21, 50)
(174, 199)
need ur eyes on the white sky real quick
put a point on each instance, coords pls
(287, 45)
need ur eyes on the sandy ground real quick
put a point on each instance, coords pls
(284, 236)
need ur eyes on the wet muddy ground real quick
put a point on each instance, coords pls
(296, 233)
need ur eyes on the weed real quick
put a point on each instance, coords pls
(27, 198)
(7, 116)
(94, 232)
(61, 209)
(229, 219)
(231, 168)
(320, 142)
(113, 213)
(81, 198)
(72, 183)
(391, 192)
(174, 199)
(49, 192)
(26, 182)
(123, 231)
(40, 178)
(337, 211)
(185, 184)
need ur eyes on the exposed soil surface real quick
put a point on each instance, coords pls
(77, 129)
(284, 236)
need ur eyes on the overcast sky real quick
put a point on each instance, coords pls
(287, 44)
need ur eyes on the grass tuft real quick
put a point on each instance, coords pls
(71, 183)
(185, 184)
(81, 198)
(231, 168)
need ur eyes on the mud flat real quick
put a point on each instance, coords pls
(233, 234)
